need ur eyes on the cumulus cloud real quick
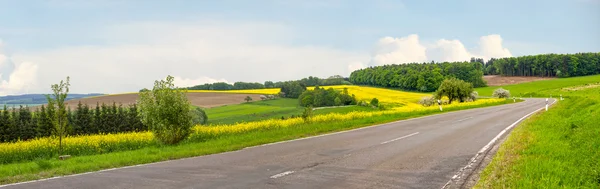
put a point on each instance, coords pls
(391, 50)
(186, 82)
(409, 49)
(21, 80)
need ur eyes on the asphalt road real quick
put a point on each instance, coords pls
(418, 153)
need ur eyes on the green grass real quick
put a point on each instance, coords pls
(267, 109)
(16, 172)
(543, 88)
(555, 149)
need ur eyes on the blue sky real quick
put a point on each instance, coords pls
(103, 43)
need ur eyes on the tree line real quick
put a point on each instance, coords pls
(424, 77)
(309, 81)
(320, 97)
(545, 65)
(24, 124)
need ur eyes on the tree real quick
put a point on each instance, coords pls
(375, 102)
(4, 125)
(292, 89)
(166, 111)
(25, 124)
(248, 99)
(307, 114)
(59, 119)
(454, 89)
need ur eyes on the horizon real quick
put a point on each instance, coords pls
(123, 46)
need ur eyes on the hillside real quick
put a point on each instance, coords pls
(37, 98)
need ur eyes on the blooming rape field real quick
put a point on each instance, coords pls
(98, 144)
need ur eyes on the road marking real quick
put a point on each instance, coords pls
(464, 119)
(282, 174)
(400, 138)
(486, 147)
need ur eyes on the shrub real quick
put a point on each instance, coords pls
(427, 101)
(474, 95)
(307, 114)
(375, 102)
(199, 116)
(166, 111)
(501, 93)
(454, 89)
(248, 99)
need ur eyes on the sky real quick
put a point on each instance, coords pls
(115, 46)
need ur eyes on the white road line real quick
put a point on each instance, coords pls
(281, 174)
(464, 119)
(486, 147)
(400, 138)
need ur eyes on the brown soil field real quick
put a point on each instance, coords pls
(205, 100)
(496, 80)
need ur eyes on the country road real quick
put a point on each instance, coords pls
(417, 153)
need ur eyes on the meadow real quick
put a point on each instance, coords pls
(544, 88)
(35, 158)
(555, 149)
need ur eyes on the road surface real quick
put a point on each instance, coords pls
(417, 153)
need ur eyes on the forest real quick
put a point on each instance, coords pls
(309, 81)
(24, 124)
(424, 77)
(546, 65)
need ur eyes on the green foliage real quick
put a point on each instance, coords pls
(248, 99)
(320, 97)
(546, 65)
(307, 114)
(44, 125)
(166, 111)
(5, 125)
(59, 119)
(375, 102)
(292, 89)
(425, 77)
(199, 116)
(454, 89)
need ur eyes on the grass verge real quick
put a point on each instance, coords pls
(555, 149)
(17, 172)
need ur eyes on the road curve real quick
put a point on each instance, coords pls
(417, 153)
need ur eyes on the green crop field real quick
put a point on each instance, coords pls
(267, 109)
(543, 88)
(555, 149)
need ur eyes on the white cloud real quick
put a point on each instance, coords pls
(140, 53)
(491, 47)
(355, 66)
(21, 80)
(186, 82)
(391, 50)
(409, 49)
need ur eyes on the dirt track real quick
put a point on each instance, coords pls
(205, 100)
(496, 80)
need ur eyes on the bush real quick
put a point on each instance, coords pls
(427, 101)
(454, 89)
(474, 95)
(166, 111)
(248, 99)
(307, 114)
(375, 102)
(320, 97)
(501, 93)
(199, 116)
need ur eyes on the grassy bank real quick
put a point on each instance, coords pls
(555, 149)
(543, 88)
(44, 168)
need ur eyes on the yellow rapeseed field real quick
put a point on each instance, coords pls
(97, 144)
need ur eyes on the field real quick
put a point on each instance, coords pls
(496, 80)
(34, 159)
(267, 109)
(554, 149)
(545, 88)
(201, 99)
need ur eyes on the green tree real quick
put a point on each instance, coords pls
(44, 124)
(166, 111)
(454, 89)
(59, 119)
(4, 125)
(199, 116)
(248, 99)
(375, 102)
(25, 124)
